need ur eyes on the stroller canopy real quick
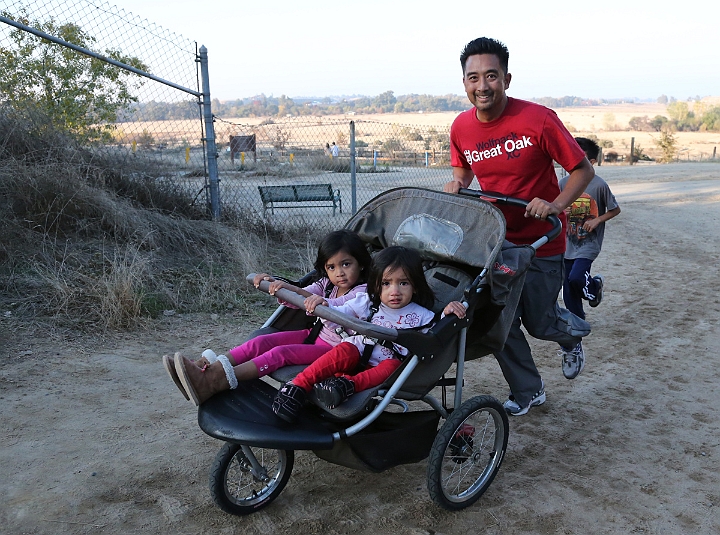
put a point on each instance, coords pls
(441, 226)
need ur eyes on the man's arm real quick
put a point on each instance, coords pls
(576, 183)
(462, 178)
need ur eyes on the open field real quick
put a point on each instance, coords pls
(95, 438)
(606, 122)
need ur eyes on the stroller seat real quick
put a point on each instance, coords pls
(448, 284)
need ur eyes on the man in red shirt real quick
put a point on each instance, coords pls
(510, 146)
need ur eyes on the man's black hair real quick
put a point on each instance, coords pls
(485, 45)
(591, 148)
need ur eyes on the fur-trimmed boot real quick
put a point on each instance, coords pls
(202, 384)
(208, 357)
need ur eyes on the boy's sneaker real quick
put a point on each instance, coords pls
(512, 407)
(599, 292)
(288, 402)
(332, 392)
(573, 360)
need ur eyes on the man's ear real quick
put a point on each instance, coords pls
(508, 77)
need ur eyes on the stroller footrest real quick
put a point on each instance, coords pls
(245, 416)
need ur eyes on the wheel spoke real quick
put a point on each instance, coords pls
(467, 452)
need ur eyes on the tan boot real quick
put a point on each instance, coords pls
(169, 363)
(208, 357)
(201, 384)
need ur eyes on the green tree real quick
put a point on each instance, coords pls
(658, 122)
(81, 94)
(667, 143)
(678, 111)
(145, 139)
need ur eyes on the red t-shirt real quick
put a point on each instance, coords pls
(514, 155)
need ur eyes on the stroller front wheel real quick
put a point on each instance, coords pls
(467, 453)
(244, 479)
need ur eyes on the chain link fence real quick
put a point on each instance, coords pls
(169, 141)
(319, 151)
(224, 163)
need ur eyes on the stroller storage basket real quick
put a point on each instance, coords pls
(391, 440)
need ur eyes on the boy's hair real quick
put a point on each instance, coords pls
(591, 148)
(485, 45)
(410, 262)
(343, 240)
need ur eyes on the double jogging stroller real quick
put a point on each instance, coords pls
(462, 241)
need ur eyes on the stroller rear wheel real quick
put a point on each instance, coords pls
(467, 453)
(244, 479)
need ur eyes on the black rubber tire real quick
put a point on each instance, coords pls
(233, 487)
(467, 453)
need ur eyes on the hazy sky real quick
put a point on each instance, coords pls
(608, 49)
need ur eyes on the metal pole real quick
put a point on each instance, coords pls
(353, 177)
(632, 149)
(210, 146)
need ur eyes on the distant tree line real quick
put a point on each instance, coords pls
(270, 106)
(700, 118)
(681, 117)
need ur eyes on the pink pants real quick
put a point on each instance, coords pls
(272, 351)
(345, 357)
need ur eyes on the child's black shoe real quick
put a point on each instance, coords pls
(332, 392)
(288, 402)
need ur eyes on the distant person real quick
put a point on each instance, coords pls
(587, 216)
(510, 146)
(327, 150)
(334, 150)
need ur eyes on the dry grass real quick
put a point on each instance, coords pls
(90, 242)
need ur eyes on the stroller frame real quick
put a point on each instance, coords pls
(464, 456)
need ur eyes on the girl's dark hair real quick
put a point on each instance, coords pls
(410, 262)
(343, 240)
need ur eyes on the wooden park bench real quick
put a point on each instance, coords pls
(297, 193)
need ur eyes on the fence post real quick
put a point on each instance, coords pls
(353, 177)
(632, 149)
(210, 147)
(374, 160)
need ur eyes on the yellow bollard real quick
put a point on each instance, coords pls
(292, 157)
(242, 158)
(187, 154)
(134, 146)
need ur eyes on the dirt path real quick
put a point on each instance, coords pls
(94, 438)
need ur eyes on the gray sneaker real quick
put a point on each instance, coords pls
(599, 293)
(513, 407)
(573, 360)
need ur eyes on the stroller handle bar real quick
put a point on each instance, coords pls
(359, 326)
(554, 220)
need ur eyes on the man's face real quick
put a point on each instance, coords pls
(485, 84)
